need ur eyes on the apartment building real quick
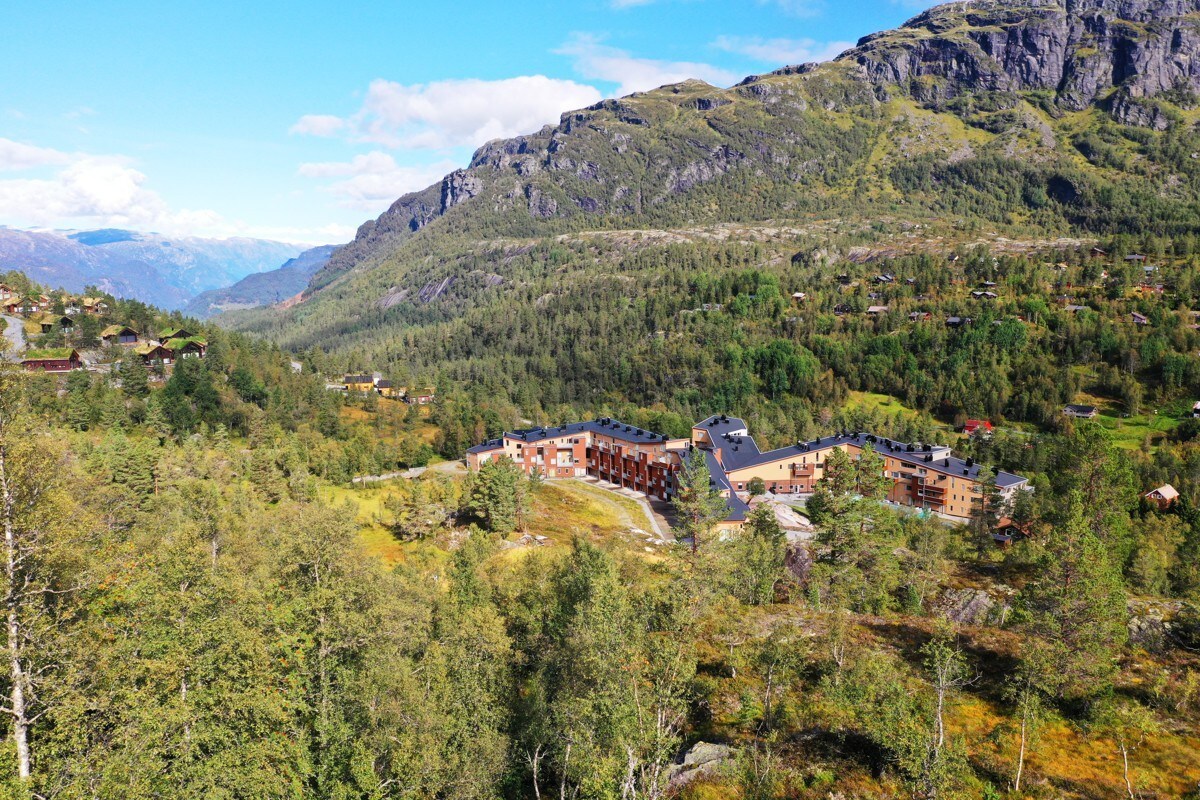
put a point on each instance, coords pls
(604, 448)
(924, 476)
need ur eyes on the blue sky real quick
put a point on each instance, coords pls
(300, 120)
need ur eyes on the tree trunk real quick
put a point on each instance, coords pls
(1125, 766)
(562, 784)
(1021, 754)
(535, 761)
(941, 720)
(17, 675)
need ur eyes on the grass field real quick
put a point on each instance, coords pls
(1129, 433)
(870, 401)
(561, 510)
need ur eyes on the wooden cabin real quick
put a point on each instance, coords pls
(48, 322)
(1164, 496)
(94, 306)
(186, 347)
(981, 427)
(389, 389)
(420, 397)
(152, 353)
(360, 383)
(1081, 412)
(175, 333)
(59, 359)
(119, 335)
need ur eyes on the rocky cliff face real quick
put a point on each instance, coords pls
(1118, 53)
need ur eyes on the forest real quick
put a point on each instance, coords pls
(195, 609)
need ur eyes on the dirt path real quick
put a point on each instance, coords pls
(14, 332)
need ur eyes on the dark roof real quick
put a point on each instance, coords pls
(738, 510)
(359, 379)
(494, 444)
(1080, 409)
(721, 424)
(605, 426)
(1006, 480)
(383, 385)
(937, 458)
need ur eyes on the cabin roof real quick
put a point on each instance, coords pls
(51, 354)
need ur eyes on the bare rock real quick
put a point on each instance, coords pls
(702, 760)
(1078, 49)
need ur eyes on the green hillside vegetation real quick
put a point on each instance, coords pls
(204, 603)
(241, 622)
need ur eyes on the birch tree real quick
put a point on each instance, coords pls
(29, 508)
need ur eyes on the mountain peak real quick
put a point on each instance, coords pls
(1120, 54)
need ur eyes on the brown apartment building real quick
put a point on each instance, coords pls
(923, 476)
(604, 448)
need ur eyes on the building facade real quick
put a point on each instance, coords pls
(927, 477)
(604, 448)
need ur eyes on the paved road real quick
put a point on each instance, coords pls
(14, 331)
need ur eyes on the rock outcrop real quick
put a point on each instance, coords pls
(702, 760)
(1079, 50)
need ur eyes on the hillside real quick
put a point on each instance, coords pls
(445, 634)
(156, 269)
(262, 288)
(561, 267)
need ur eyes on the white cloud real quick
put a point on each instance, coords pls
(16, 155)
(96, 190)
(781, 51)
(372, 181)
(597, 61)
(452, 113)
(319, 125)
(82, 190)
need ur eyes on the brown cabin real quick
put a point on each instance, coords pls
(56, 360)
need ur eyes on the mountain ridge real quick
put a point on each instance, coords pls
(262, 288)
(945, 152)
(1114, 55)
(161, 270)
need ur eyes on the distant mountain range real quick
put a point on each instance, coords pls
(262, 288)
(167, 272)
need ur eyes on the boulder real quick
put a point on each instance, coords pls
(704, 759)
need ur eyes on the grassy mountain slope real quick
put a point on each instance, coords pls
(970, 123)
